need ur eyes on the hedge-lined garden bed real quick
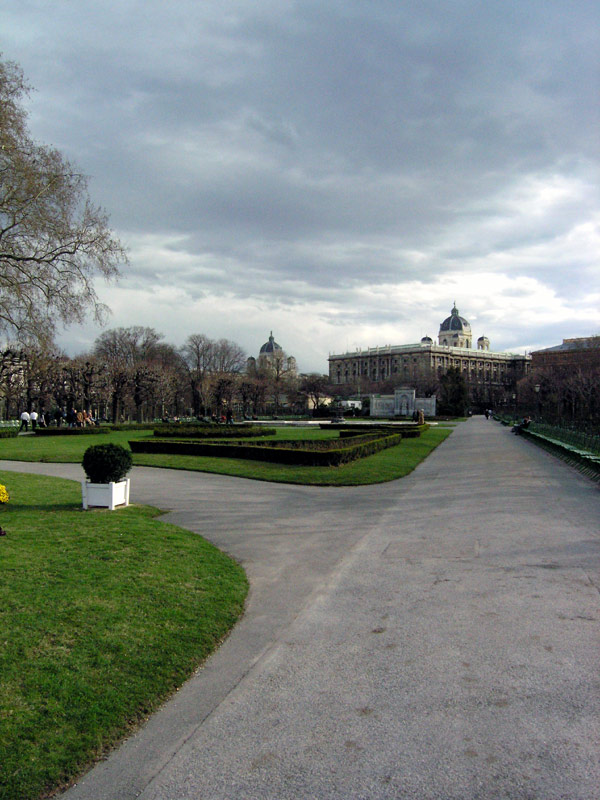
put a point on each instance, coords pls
(88, 431)
(407, 432)
(8, 433)
(305, 453)
(211, 431)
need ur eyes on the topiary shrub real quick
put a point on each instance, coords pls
(105, 463)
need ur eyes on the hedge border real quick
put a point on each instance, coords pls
(211, 431)
(71, 431)
(280, 455)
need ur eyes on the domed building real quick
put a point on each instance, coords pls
(273, 359)
(455, 331)
(490, 377)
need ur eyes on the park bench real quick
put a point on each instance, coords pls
(585, 460)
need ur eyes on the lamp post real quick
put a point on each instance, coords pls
(537, 388)
(514, 399)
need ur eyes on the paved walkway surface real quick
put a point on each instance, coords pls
(435, 637)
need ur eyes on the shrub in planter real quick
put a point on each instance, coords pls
(105, 463)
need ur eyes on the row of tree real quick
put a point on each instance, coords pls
(567, 396)
(133, 374)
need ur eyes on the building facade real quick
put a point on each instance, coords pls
(573, 354)
(490, 377)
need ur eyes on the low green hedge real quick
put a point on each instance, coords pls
(280, 454)
(317, 444)
(130, 426)
(71, 431)
(8, 433)
(408, 432)
(211, 431)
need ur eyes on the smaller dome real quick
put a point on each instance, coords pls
(427, 340)
(271, 346)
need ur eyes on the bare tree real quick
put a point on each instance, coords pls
(197, 354)
(314, 388)
(53, 241)
(128, 353)
(206, 361)
(228, 357)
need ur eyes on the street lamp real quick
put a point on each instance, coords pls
(514, 399)
(537, 388)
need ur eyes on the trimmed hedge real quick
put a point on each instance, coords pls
(71, 431)
(407, 432)
(211, 431)
(8, 433)
(263, 452)
(130, 426)
(317, 444)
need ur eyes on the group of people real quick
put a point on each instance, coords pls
(78, 419)
(34, 418)
(72, 418)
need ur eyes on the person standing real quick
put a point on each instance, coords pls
(24, 421)
(33, 418)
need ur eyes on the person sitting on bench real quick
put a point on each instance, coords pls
(522, 426)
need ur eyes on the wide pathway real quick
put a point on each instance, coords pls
(435, 637)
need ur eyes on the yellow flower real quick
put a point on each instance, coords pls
(4, 496)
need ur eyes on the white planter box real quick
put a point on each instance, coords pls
(105, 495)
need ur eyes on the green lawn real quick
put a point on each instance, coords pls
(102, 616)
(64, 449)
(384, 466)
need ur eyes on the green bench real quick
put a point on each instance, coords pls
(584, 459)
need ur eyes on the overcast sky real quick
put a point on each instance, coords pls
(339, 172)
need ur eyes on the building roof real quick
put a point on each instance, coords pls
(420, 347)
(573, 344)
(455, 322)
(271, 346)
